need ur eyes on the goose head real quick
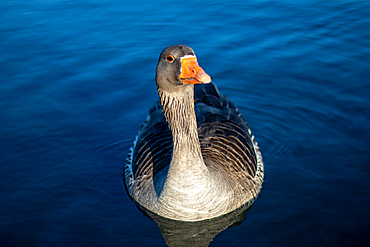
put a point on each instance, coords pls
(177, 66)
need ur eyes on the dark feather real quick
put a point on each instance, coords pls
(223, 132)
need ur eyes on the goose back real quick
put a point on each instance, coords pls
(226, 142)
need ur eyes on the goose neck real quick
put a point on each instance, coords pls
(179, 111)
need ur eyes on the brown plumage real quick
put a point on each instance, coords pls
(195, 157)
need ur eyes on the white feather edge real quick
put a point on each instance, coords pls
(129, 175)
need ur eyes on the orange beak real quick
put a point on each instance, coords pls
(191, 73)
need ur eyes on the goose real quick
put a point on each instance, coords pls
(195, 157)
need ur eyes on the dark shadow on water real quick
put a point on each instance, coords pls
(197, 234)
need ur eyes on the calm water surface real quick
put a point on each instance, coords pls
(77, 79)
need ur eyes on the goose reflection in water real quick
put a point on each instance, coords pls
(199, 233)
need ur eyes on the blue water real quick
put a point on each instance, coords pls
(77, 80)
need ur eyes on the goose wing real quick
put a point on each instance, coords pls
(225, 139)
(151, 151)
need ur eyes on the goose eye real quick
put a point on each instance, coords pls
(170, 58)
